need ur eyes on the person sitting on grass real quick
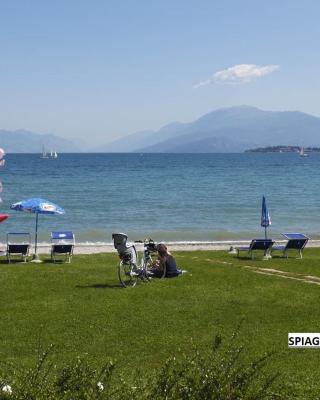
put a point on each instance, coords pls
(166, 262)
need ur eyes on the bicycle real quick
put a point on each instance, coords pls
(129, 269)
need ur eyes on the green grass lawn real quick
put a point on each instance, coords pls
(82, 310)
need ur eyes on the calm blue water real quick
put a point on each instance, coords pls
(165, 196)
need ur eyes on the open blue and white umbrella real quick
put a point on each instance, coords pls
(265, 217)
(37, 206)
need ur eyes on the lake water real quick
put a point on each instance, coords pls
(174, 197)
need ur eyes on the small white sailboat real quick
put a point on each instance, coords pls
(53, 154)
(44, 153)
(302, 153)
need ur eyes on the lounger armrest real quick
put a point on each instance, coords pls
(243, 248)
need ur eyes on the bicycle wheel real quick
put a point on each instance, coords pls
(160, 272)
(151, 271)
(127, 276)
(148, 266)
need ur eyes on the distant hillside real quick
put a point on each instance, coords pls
(126, 144)
(134, 142)
(22, 141)
(233, 129)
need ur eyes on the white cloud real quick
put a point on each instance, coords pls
(241, 73)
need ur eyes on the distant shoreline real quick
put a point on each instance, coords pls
(283, 149)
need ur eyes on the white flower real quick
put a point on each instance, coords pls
(7, 389)
(100, 386)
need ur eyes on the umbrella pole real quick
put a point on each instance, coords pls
(267, 255)
(35, 257)
(36, 237)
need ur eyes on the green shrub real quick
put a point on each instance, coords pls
(77, 380)
(220, 373)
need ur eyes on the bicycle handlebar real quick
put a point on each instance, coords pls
(147, 240)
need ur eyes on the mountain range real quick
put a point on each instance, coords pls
(233, 129)
(23, 141)
(226, 130)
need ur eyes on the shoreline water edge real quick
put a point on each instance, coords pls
(107, 247)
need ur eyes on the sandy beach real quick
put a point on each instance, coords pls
(94, 248)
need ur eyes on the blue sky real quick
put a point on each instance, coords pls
(97, 70)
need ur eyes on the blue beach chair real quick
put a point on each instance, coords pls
(296, 241)
(264, 245)
(18, 244)
(62, 244)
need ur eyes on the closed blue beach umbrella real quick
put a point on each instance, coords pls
(37, 206)
(265, 217)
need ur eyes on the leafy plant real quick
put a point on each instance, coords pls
(220, 373)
